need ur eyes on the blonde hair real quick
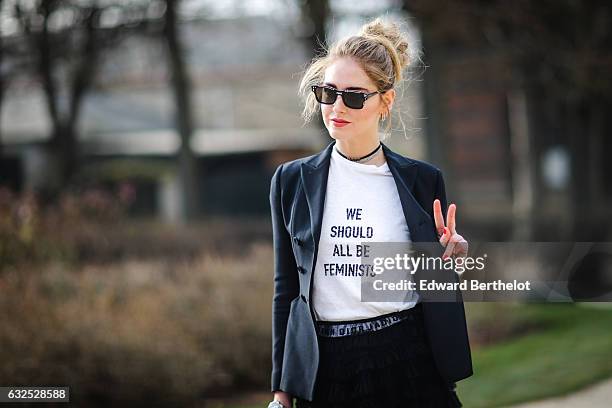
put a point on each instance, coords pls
(381, 49)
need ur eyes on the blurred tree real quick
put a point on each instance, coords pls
(15, 59)
(67, 40)
(565, 45)
(184, 116)
(2, 80)
(561, 53)
(315, 14)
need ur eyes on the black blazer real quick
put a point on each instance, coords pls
(297, 196)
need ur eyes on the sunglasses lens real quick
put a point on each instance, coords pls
(353, 100)
(325, 95)
(328, 96)
(318, 91)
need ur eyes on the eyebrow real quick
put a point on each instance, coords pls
(350, 88)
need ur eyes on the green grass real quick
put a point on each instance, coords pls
(570, 349)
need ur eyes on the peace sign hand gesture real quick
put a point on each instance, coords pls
(454, 243)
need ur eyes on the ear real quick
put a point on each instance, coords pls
(388, 99)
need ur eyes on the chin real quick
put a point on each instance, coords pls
(338, 134)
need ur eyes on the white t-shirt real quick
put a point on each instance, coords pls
(361, 205)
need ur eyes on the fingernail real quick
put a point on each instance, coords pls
(445, 230)
(444, 257)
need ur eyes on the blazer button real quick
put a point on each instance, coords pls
(304, 299)
(301, 269)
(297, 241)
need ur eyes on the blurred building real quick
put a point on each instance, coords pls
(244, 74)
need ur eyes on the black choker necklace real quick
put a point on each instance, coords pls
(362, 159)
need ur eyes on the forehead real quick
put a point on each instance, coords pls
(347, 73)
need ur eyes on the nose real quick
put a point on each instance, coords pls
(338, 105)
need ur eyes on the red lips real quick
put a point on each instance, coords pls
(338, 120)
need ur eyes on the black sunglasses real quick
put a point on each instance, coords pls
(352, 99)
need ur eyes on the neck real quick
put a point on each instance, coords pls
(378, 159)
(357, 148)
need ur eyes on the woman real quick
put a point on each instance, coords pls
(329, 348)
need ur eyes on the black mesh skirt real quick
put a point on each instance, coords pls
(391, 367)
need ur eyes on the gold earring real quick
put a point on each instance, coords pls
(383, 116)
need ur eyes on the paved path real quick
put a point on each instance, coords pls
(596, 396)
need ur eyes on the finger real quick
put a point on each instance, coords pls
(445, 236)
(438, 217)
(450, 248)
(450, 218)
(461, 247)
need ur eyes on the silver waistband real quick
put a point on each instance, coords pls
(341, 329)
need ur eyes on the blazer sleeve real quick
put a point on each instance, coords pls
(440, 193)
(286, 281)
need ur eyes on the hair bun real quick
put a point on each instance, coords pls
(391, 36)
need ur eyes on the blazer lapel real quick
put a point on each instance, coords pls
(314, 179)
(314, 174)
(404, 173)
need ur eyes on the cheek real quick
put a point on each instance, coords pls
(368, 115)
(326, 111)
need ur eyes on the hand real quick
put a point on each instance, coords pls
(454, 243)
(284, 398)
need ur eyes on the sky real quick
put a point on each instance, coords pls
(212, 9)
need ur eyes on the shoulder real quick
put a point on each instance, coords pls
(429, 177)
(288, 172)
(427, 168)
(294, 166)
(424, 169)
